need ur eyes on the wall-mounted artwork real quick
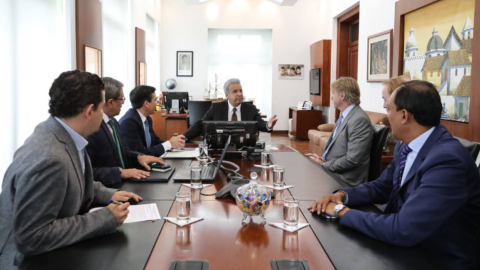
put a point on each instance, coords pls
(290, 72)
(379, 56)
(438, 49)
(143, 73)
(93, 60)
(185, 64)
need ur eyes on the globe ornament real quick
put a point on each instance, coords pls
(171, 84)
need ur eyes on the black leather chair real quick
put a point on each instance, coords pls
(472, 147)
(196, 111)
(379, 136)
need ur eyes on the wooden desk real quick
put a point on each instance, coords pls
(165, 124)
(303, 121)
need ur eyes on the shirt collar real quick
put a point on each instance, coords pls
(142, 116)
(347, 110)
(105, 118)
(230, 107)
(79, 141)
(418, 142)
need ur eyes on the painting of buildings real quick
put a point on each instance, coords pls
(436, 52)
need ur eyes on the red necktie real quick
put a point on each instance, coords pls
(234, 114)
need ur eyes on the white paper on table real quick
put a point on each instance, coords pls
(185, 153)
(175, 221)
(290, 229)
(279, 188)
(139, 213)
(264, 166)
(203, 186)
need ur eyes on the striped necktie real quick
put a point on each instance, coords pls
(392, 206)
(148, 139)
(117, 142)
(234, 114)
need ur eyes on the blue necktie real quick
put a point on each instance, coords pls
(392, 206)
(148, 139)
(339, 122)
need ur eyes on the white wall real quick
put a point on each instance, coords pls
(375, 16)
(185, 28)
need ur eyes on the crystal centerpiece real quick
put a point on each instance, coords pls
(253, 199)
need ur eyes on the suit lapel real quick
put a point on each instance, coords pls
(107, 132)
(344, 123)
(224, 112)
(244, 112)
(437, 132)
(137, 118)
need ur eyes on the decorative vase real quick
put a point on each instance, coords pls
(253, 199)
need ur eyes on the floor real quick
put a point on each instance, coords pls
(300, 145)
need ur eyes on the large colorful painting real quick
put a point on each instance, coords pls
(438, 48)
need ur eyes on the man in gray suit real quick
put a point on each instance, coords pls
(347, 152)
(48, 189)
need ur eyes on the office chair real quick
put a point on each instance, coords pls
(472, 147)
(196, 111)
(379, 136)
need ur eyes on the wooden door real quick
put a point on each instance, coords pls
(353, 60)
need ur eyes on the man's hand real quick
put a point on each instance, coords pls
(177, 141)
(119, 211)
(322, 204)
(123, 196)
(272, 121)
(144, 160)
(134, 173)
(315, 157)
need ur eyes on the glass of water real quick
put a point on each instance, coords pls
(183, 206)
(196, 176)
(290, 212)
(264, 158)
(278, 176)
(203, 148)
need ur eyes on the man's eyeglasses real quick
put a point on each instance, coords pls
(122, 99)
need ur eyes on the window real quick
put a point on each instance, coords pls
(152, 53)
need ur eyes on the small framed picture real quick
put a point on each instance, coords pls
(184, 63)
(379, 56)
(290, 71)
(143, 73)
(93, 60)
(307, 105)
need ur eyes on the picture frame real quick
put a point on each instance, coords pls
(142, 73)
(380, 56)
(184, 63)
(93, 60)
(291, 71)
(307, 105)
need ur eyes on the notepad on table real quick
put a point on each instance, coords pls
(139, 213)
(186, 153)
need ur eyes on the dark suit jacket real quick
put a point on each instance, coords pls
(134, 134)
(104, 154)
(439, 203)
(46, 197)
(219, 112)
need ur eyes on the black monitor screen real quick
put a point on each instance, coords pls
(244, 133)
(315, 79)
(182, 98)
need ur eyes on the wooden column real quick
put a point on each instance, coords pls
(139, 52)
(88, 20)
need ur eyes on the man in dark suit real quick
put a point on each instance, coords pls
(347, 152)
(48, 189)
(111, 159)
(137, 127)
(232, 110)
(431, 188)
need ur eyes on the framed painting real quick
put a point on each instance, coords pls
(184, 63)
(379, 56)
(93, 60)
(143, 73)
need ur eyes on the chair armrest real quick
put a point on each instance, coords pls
(326, 127)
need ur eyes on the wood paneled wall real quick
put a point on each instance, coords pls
(139, 52)
(88, 20)
(320, 55)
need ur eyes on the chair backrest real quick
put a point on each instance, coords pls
(472, 147)
(379, 136)
(196, 111)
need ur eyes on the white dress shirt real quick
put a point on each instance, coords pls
(416, 145)
(106, 119)
(166, 145)
(230, 112)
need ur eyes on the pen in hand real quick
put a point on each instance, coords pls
(115, 202)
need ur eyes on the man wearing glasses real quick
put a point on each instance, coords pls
(112, 160)
(136, 124)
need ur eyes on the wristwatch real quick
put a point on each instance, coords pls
(337, 209)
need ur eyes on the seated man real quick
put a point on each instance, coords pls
(111, 159)
(232, 110)
(431, 188)
(347, 152)
(137, 128)
(49, 188)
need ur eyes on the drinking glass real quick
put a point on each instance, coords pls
(278, 176)
(264, 160)
(290, 212)
(196, 176)
(183, 206)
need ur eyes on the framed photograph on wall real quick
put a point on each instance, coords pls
(379, 56)
(143, 73)
(93, 60)
(184, 63)
(290, 72)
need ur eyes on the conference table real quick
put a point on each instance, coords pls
(222, 240)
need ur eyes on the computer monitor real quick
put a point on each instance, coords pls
(175, 102)
(244, 133)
